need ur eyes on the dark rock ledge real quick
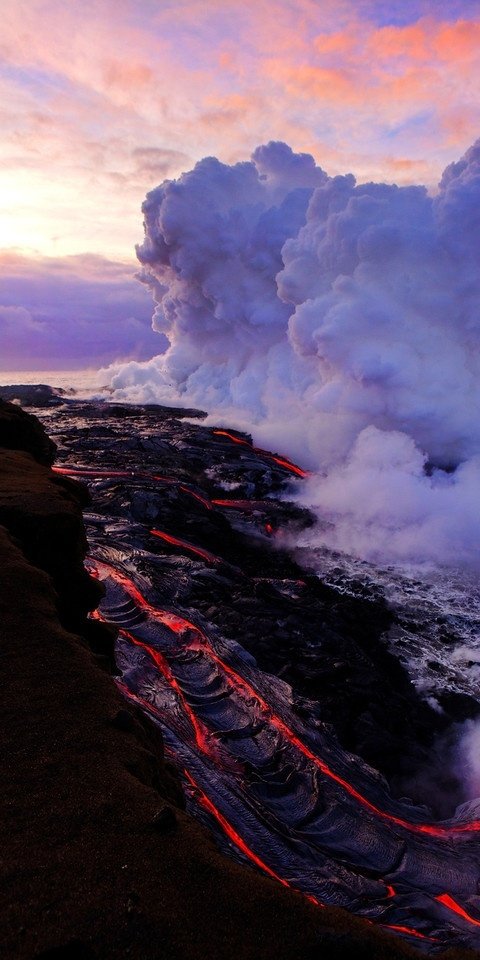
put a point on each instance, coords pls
(98, 859)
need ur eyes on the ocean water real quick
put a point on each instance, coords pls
(436, 635)
(81, 383)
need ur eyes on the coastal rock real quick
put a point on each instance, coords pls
(22, 431)
(92, 862)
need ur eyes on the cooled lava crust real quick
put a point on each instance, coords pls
(99, 858)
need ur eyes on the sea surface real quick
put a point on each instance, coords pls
(437, 633)
(81, 383)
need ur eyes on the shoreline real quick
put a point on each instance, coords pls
(100, 860)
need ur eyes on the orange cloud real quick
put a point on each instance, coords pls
(334, 85)
(125, 75)
(335, 43)
(410, 43)
(458, 42)
(90, 86)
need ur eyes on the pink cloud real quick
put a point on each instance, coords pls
(92, 87)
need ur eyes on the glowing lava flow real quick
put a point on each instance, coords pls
(288, 465)
(197, 496)
(200, 731)
(131, 475)
(171, 620)
(281, 726)
(227, 827)
(231, 436)
(282, 461)
(235, 504)
(179, 625)
(452, 904)
(91, 472)
(235, 837)
(409, 931)
(208, 805)
(204, 554)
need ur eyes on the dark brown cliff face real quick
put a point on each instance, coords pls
(98, 858)
(43, 513)
(22, 431)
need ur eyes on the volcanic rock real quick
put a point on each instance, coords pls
(21, 431)
(81, 876)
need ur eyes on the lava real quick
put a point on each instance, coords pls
(184, 545)
(237, 840)
(131, 475)
(288, 465)
(200, 731)
(268, 780)
(282, 461)
(235, 837)
(203, 799)
(197, 496)
(180, 625)
(452, 904)
(208, 805)
(409, 931)
(247, 505)
(213, 810)
(243, 686)
(91, 472)
(231, 436)
(171, 620)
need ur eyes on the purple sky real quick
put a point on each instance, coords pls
(103, 100)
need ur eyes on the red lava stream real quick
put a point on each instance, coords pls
(180, 625)
(208, 804)
(176, 542)
(282, 461)
(452, 904)
(203, 738)
(130, 475)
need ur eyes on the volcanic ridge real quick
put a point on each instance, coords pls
(179, 662)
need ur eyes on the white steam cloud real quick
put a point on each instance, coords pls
(339, 322)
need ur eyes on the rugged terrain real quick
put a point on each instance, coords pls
(99, 857)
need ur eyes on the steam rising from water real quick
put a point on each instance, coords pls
(338, 321)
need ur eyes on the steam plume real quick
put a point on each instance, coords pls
(338, 321)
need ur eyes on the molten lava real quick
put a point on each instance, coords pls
(452, 904)
(206, 745)
(131, 475)
(184, 545)
(200, 731)
(282, 461)
(409, 931)
(202, 644)
(235, 837)
(247, 505)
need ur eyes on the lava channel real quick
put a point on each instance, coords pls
(90, 472)
(180, 625)
(184, 545)
(282, 461)
(204, 801)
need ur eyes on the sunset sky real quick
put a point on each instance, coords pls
(103, 99)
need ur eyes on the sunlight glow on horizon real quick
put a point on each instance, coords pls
(103, 102)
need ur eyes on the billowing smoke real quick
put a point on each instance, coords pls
(338, 322)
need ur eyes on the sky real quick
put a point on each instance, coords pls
(104, 99)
